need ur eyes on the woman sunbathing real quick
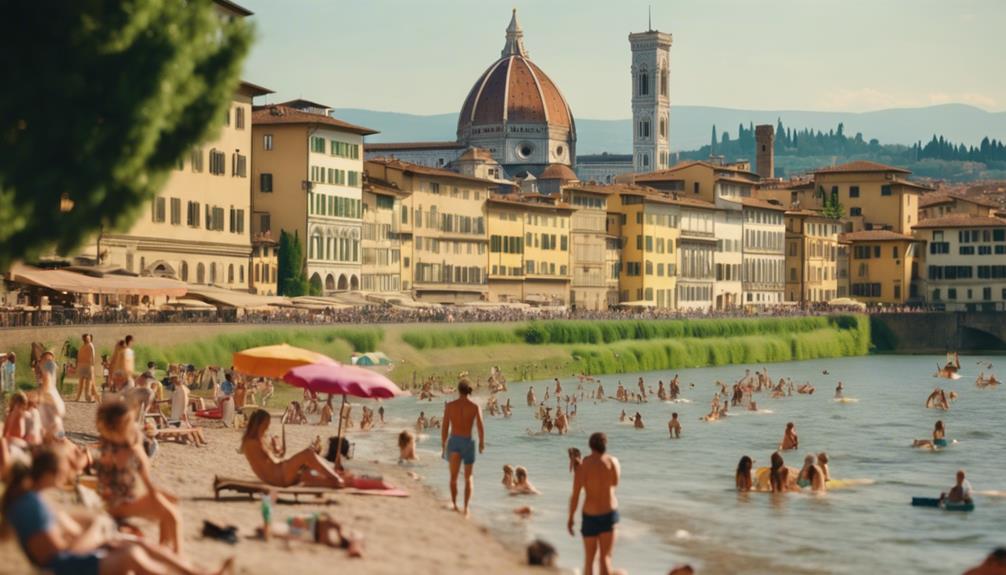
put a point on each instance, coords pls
(121, 459)
(63, 545)
(305, 468)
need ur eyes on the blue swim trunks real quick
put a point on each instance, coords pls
(464, 446)
(71, 564)
(940, 442)
(594, 525)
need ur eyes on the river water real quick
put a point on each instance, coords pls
(676, 497)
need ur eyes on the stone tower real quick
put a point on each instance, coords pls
(765, 151)
(651, 101)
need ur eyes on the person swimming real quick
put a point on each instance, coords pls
(508, 480)
(637, 421)
(822, 462)
(781, 478)
(938, 400)
(811, 475)
(742, 478)
(790, 440)
(522, 485)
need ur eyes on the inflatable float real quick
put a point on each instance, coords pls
(944, 505)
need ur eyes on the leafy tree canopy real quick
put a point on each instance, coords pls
(100, 100)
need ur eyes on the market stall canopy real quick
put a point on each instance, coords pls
(231, 298)
(72, 282)
(847, 302)
(189, 304)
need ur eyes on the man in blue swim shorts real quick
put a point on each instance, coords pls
(597, 476)
(456, 442)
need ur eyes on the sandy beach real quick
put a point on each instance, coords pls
(417, 534)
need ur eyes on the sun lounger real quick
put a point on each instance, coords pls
(179, 434)
(252, 487)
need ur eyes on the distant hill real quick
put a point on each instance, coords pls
(691, 125)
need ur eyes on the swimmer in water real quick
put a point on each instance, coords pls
(637, 421)
(522, 485)
(811, 475)
(531, 400)
(938, 400)
(781, 478)
(622, 416)
(674, 426)
(661, 392)
(575, 458)
(838, 391)
(938, 440)
(675, 386)
(822, 462)
(561, 422)
(743, 476)
(960, 492)
(507, 477)
(789, 438)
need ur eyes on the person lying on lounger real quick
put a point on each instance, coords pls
(305, 468)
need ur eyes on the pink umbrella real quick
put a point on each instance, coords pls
(342, 380)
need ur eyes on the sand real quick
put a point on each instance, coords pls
(417, 534)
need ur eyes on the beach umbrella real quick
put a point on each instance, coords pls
(342, 380)
(276, 360)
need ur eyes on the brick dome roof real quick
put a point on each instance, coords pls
(514, 90)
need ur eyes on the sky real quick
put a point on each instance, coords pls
(422, 56)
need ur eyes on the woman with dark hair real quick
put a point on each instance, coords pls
(780, 477)
(306, 467)
(743, 475)
(811, 475)
(60, 545)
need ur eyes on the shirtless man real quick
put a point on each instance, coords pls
(661, 392)
(675, 387)
(561, 422)
(789, 439)
(839, 390)
(531, 400)
(642, 387)
(674, 426)
(597, 476)
(456, 442)
(637, 421)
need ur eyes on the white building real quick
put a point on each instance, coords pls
(764, 255)
(965, 261)
(651, 102)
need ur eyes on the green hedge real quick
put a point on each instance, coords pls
(438, 338)
(218, 350)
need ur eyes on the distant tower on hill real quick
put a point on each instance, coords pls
(765, 152)
(651, 101)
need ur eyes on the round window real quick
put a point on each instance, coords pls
(559, 150)
(525, 150)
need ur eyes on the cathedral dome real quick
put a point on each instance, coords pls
(515, 100)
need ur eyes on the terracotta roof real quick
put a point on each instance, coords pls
(875, 236)
(558, 172)
(301, 103)
(662, 174)
(600, 189)
(279, 114)
(860, 166)
(391, 146)
(805, 213)
(525, 202)
(762, 203)
(911, 184)
(379, 186)
(255, 89)
(961, 221)
(937, 198)
(473, 153)
(409, 167)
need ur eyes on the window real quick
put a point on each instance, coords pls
(265, 183)
(853, 191)
(885, 190)
(192, 214)
(239, 165)
(239, 118)
(855, 211)
(265, 223)
(951, 294)
(196, 160)
(157, 210)
(267, 142)
(318, 144)
(644, 83)
(894, 252)
(218, 162)
(176, 211)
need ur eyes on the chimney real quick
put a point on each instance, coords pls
(765, 151)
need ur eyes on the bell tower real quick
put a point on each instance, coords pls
(651, 101)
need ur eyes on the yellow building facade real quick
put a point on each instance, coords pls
(263, 265)
(883, 267)
(443, 229)
(647, 224)
(812, 256)
(381, 245)
(529, 250)
(874, 196)
(589, 238)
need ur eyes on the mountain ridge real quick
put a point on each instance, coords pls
(691, 125)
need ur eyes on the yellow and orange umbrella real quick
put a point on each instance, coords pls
(276, 360)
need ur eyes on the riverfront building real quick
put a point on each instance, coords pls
(965, 261)
(812, 257)
(883, 267)
(588, 240)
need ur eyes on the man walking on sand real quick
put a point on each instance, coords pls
(456, 442)
(597, 475)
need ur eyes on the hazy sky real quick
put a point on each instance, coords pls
(422, 56)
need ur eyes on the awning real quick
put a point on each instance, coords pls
(235, 299)
(70, 282)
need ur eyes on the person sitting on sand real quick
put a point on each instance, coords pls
(305, 468)
(789, 438)
(120, 461)
(811, 475)
(838, 391)
(294, 414)
(522, 485)
(822, 462)
(743, 476)
(508, 481)
(407, 446)
(64, 545)
(637, 421)
(960, 492)
(674, 426)
(781, 478)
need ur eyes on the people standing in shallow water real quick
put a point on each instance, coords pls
(457, 443)
(597, 476)
(790, 440)
(838, 391)
(531, 400)
(674, 426)
(407, 446)
(637, 421)
(811, 475)
(743, 476)
(822, 462)
(938, 400)
(780, 477)
(507, 476)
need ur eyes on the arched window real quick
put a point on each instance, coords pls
(213, 272)
(663, 127)
(185, 271)
(200, 273)
(646, 160)
(230, 273)
(258, 273)
(663, 81)
(644, 82)
(241, 273)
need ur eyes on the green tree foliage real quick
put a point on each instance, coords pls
(831, 207)
(100, 101)
(290, 280)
